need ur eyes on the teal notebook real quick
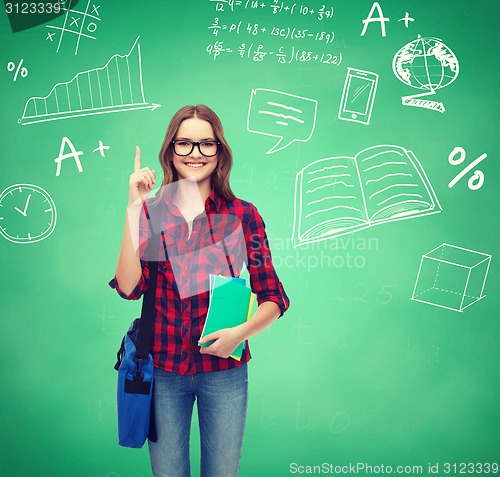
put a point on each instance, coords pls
(231, 303)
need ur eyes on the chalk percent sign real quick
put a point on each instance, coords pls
(476, 181)
(11, 66)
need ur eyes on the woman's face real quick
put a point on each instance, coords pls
(195, 165)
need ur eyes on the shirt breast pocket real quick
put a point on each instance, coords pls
(221, 250)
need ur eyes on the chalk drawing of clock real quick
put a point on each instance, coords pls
(27, 213)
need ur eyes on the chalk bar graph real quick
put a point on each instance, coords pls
(115, 87)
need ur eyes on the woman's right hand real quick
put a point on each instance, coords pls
(141, 181)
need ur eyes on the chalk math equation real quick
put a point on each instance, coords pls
(284, 55)
(276, 7)
(255, 34)
(255, 29)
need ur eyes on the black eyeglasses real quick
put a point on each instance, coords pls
(183, 147)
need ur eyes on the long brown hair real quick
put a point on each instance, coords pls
(220, 177)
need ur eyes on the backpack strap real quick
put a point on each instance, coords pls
(120, 354)
(148, 301)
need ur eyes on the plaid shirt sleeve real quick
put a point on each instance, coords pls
(143, 282)
(263, 278)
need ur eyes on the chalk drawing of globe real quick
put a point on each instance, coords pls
(426, 64)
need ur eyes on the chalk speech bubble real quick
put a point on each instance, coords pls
(287, 116)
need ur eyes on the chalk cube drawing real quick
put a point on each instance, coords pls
(451, 277)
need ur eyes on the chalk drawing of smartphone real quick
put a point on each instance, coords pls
(359, 92)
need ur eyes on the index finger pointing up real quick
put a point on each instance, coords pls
(137, 160)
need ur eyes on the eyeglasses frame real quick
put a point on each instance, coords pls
(193, 144)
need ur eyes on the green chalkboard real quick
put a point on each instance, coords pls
(349, 122)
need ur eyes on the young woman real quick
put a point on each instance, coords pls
(205, 229)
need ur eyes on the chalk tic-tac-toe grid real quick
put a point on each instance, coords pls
(78, 23)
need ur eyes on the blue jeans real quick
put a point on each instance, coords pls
(222, 403)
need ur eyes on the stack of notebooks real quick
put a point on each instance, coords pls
(231, 304)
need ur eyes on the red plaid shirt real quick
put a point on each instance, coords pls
(182, 295)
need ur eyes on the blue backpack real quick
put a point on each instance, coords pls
(134, 397)
(135, 390)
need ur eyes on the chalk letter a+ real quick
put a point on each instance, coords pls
(370, 19)
(73, 154)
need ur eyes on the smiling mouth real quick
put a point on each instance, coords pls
(195, 165)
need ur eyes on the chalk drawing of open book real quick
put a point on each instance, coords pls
(339, 195)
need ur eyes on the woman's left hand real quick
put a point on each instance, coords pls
(226, 341)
